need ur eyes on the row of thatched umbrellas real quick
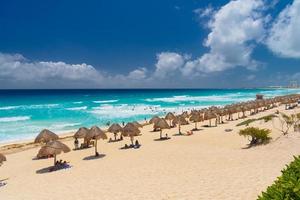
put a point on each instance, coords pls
(218, 113)
(54, 147)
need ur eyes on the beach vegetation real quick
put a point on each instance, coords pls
(256, 136)
(246, 122)
(288, 121)
(267, 118)
(287, 186)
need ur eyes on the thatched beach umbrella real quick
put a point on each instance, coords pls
(180, 120)
(96, 134)
(115, 129)
(130, 130)
(170, 116)
(2, 158)
(185, 114)
(209, 116)
(45, 136)
(53, 148)
(81, 133)
(161, 124)
(196, 117)
(154, 119)
(138, 125)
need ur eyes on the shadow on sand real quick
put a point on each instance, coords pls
(51, 169)
(162, 139)
(93, 157)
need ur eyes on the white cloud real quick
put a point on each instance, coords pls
(204, 12)
(235, 29)
(15, 68)
(168, 63)
(138, 74)
(284, 35)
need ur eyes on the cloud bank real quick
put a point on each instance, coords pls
(235, 29)
(284, 37)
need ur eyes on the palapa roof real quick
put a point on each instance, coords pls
(196, 117)
(45, 136)
(96, 133)
(53, 148)
(154, 119)
(115, 128)
(2, 158)
(161, 124)
(130, 130)
(81, 133)
(170, 116)
(138, 125)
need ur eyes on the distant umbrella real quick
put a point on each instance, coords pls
(53, 148)
(196, 117)
(161, 124)
(170, 116)
(45, 136)
(81, 133)
(138, 125)
(180, 120)
(185, 114)
(209, 116)
(130, 130)
(115, 129)
(154, 119)
(96, 134)
(2, 158)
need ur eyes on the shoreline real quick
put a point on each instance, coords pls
(21, 145)
(210, 158)
(29, 135)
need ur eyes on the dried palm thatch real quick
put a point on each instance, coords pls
(45, 136)
(81, 133)
(115, 129)
(96, 134)
(53, 148)
(161, 124)
(2, 158)
(130, 130)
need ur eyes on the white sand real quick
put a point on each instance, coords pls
(211, 164)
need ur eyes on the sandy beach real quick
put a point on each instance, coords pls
(211, 164)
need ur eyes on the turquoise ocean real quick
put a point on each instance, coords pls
(24, 113)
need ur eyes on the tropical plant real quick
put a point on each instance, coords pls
(286, 122)
(267, 118)
(256, 136)
(287, 186)
(246, 122)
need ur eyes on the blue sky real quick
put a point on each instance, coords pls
(137, 44)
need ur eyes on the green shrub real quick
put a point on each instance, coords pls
(246, 122)
(267, 117)
(287, 186)
(257, 136)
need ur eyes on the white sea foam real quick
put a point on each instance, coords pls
(125, 110)
(107, 101)
(9, 107)
(37, 106)
(77, 102)
(14, 119)
(77, 108)
(195, 99)
(62, 126)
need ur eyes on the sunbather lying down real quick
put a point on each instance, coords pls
(60, 165)
(189, 133)
(2, 183)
